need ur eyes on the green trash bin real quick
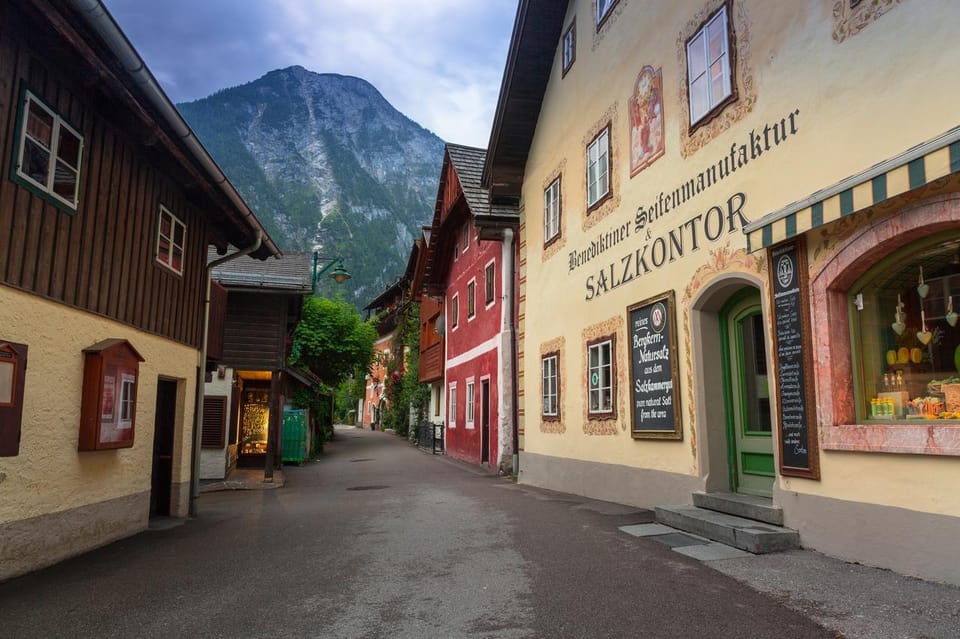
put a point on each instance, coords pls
(295, 436)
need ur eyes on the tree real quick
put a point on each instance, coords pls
(332, 341)
(403, 387)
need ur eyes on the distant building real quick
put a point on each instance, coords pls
(108, 204)
(739, 264)
(390, 307)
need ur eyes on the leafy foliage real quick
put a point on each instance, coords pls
(403, 387)
(332, 341)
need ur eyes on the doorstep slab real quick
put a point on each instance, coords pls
(647, 530)
(712, 552)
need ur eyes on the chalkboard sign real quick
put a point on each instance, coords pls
(654, 379)
(797, 419)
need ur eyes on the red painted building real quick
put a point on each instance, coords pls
(476, 280)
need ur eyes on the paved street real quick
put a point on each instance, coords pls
(378, 539)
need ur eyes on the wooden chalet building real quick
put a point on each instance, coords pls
(392, 303)
(476, 278)
(250, 383)
(432, 333)
(108, 204)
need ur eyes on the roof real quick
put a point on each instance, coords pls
(530, 59)
(125, 79)
(291, 273)
(468, 162)
(393, 292)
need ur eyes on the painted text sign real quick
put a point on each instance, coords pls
(654, 387)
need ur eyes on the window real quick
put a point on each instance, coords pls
(709, 78)
(171, 236)
(908, 368)
(436, 402)
(13, 364)
(598, 168)
(551, 212)
(490, 283)
(452, 417)
(472, 299)
(49, 154)
(569, 46)
(454, 312)
(470, 403)
(603, 10)
(551, 388)
(600, 377)
(465, 238)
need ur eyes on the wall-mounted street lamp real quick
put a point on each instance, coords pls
(339, 274)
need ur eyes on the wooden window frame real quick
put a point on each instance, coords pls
(555, 356)
(470, 406)
(465, 239)
(454, 311)
(727, 9)
(167, 260)
(571, 34)
(45, 191)
(611, 413)
(600, 19)
(557, 201)
(490, 283)
(606, 195)
(471, 299)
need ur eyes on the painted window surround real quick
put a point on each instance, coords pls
(472, 299)
(601, 147)
(452, 408)
(550, 378)
(470, 403)
(602, 411)
(719, 19)
(490, 283)
(833, 367)
(552, 210)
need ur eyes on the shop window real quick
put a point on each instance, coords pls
(710, 82)
(905, 335)
(48, 155)
(551, 212)
(13, 367)
(601, 372)
(108, 409)
(569, 46)
(171, 236)
(598, 168)
(469, 418)
(471, 299)
(550, 386)
(490, 283)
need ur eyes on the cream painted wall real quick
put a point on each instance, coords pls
(214, 462)
(50, 475)
(860, 101)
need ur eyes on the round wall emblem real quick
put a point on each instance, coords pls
(658, 317)
(784, 271)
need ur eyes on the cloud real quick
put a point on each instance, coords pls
(437, 61)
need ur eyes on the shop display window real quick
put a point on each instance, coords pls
(906, 338)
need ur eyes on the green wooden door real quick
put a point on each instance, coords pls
(749, 423)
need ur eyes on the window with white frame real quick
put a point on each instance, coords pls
(603, 9)
(471, 299)
(128, 398)
(570, 46)
(465, 238)
(551, 211)
(171, 237)
(454, 311)
(551, 388)
(490, 283)
(709, 76)
(600, 375)
(49, 154)
(469, 419)
(598, 168)
(452, 416)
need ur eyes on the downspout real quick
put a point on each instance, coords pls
(202, 368)
(516, 373)
(507, 324)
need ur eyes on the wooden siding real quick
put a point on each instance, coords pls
(100, 259)
(218, 315)
(254, 335)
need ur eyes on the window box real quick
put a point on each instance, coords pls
(108, 410)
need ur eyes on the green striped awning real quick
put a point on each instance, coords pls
(910, 170)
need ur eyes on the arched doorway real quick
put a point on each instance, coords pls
(749, 425)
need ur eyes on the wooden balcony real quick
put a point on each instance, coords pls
(431, 363)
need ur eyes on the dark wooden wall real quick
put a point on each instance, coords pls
(255, 330)
(100, 259)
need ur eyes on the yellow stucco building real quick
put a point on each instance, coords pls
(740, 240)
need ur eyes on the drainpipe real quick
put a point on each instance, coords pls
(201, 372)
(507, 326)
(516, 373)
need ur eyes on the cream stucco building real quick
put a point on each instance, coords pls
(719, 202)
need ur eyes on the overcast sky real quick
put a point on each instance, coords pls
(438, 61)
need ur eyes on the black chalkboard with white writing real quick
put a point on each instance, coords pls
(796, 433)
(654, 387)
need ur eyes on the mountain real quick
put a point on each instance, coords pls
(325, 161)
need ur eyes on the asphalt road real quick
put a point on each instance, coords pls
(378, 539)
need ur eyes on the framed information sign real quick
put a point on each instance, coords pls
(796, 419)
(654, 378)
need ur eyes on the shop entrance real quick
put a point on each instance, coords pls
(165, 425)
(254, 423)
(747, 395)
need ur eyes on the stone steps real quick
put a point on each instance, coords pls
(746, 506)
(746, 534)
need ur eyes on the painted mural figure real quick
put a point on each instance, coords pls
(646, 120)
